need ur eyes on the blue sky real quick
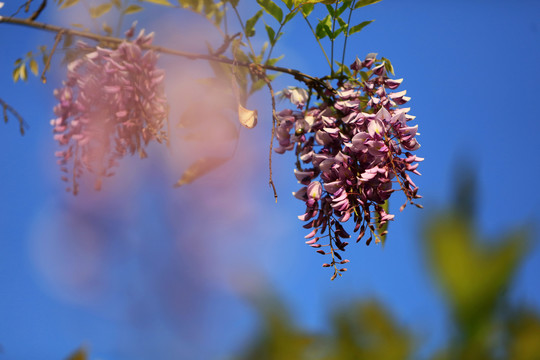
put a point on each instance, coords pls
(143, 270)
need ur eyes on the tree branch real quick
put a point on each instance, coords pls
(7, 108)
(309, 80)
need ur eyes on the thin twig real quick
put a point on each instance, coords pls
(25, 5)
(347, 35)
(8, 108)
(318, 41)
(274, 118)
(48, 64)
(39, 10)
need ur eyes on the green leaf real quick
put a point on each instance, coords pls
(273, 61)
(330, 10)
(251, 22)
(384, 227)
(100, 10)
(357, 28)
(68, 3)
(388, 66)
(290, 16)
(132, 9)
(271, 8)
(271, 34)
(341, 9)
(323, 28)
(307, 9)
(34, 67)
(288, 3)
(472, 273)
(363, 3)
(159, 2)
(199, 168)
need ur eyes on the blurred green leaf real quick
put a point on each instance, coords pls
(271, 34)
(271, 8)
(356, 28)
(323, 28)
(524, 335)
(278, 337)
(366, 330)
(251, 22)
(473, 275)
(307, 9)
(363, 3)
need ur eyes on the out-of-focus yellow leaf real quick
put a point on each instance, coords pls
(159, 2)
(100, 10)
(200, 168)
(34, 67)
(68, 3)
(132, 9)
(22, 72)
(16, 74)
(108, 30)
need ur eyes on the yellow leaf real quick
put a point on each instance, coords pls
(159, 2)
(22, 72)
(131, 9)
(100, 10)
(16, 74)
(69, 3)
(34, 67)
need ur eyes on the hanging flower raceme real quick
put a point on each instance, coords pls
(354, 151)
(112, 104)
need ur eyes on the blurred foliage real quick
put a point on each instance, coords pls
(473, 275)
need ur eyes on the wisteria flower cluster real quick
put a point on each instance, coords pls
(112, 104)
(351, 149)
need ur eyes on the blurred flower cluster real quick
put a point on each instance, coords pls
(112, 104)
(352, 149)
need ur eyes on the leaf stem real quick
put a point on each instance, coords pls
(318, 41)
(347, 35)
(244, 30)
(332, 39)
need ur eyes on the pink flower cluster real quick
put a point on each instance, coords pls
(354, 151)
(112, 104)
